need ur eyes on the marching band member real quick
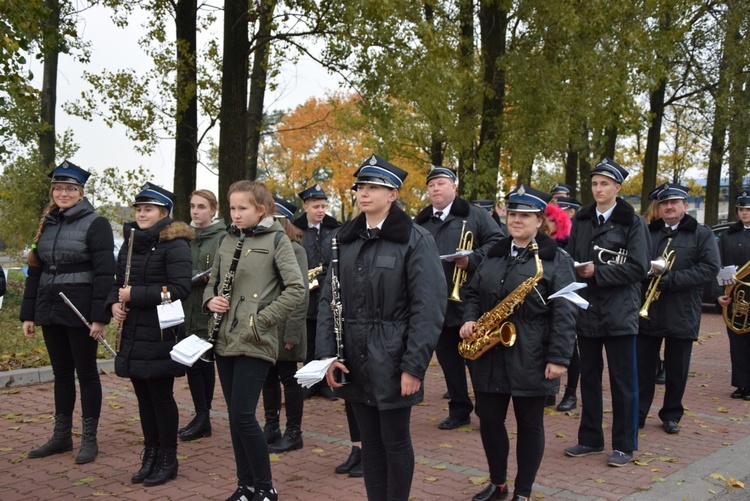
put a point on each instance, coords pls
(393, 295)
(570, 205)
(267, 288)
(734, 249)
(527, 371)
(614, 241)
(72, 253)
(675, 316)
(202, 375)
(292, 349)
(160, 257)
(445, 219)
(559, 190)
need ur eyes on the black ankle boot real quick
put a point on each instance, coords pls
(291, 441)
(188, 426)
(148, 461)
(569, 401)
(354, 459)
(271, 429)
(165, 469)
(202, 428)
(61, 441)
(89, 447)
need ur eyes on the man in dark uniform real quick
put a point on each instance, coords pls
(318, 229)
(569, 204)
(560, 190)
(676, 315)
(489, 206)
(444, 218)
(613, 240)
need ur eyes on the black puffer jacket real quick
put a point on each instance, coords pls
(486, 233)
(318, 249)
(614, 292)
(161, 256)
(75, 251)
(393, 293)
(677, 312)
(545, 333)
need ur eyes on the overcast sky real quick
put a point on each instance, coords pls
(115, 48)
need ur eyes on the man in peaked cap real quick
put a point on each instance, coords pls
(675, 318)
(613, 277)
(569, 204)
(560, 190)
(489, 206)
(444, 218)
(318, 228)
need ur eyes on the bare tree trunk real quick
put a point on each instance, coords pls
(611, 142)
(571, 168)
(651, 159)
(186, 136)
(738, 137)
(233, 114)
(584, 167)
(493, 20)
(467, 111)
(49, 89)
(258, 80)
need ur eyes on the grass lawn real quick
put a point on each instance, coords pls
(17, 351)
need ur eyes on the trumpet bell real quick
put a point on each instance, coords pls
(659, 266)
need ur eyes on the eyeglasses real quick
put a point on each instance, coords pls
(66, 189)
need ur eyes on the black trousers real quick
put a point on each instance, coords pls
(677, 354)
(739, 354)
(294, 402)
(623, 381)
(312, 329)
(202, 381)
(574, 370)
(158, 411)
(73, 352)
(492, 409)
(454, 369)
(387, 453)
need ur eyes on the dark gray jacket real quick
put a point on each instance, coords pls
(161, 257)
(393, 295)
(203, 249)
(293, 329)
(75, 252)
(545, 332)
(447, 233)
(677, 312)
(318, 248)
(614, 292)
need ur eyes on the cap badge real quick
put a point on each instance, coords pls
(605, 161)
(666, 185)
(373, 160)
(317, 187)
(65, 165)
(521, 191)
(743, 194)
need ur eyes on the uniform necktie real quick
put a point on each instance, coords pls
(373, 232)
(438, 215)
(601, 220)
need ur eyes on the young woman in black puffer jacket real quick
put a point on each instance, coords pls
(161, 258)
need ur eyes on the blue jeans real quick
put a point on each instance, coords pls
(387, 453)
(241, 382)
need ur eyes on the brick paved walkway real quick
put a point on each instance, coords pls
(696, 464)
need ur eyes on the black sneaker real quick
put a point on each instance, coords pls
(263, 495)
(243, 493)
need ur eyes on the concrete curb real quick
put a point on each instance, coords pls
(38, 375)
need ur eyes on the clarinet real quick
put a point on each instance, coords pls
(338, 309)
(118, 337)
(226, 293)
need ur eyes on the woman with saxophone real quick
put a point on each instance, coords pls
(525, 363)
(734, 249)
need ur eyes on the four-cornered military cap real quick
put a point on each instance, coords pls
(315, 192)
(743, 199)
(68, 172)
(610, 168)
(668, 191)
(446, 172)
(285, 208)
(376, 170)
(568, 203)
(527, 199)
(154, 195)
(484, 203)
(563, 188)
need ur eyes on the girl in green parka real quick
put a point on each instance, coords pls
(202, 375)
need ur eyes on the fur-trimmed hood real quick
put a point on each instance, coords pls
(623, 213)
(397, 227)
(164, 230)
(688, 223)
(460, 208)
(547, 247)
(327, 222)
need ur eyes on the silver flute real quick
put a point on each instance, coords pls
(99, 338)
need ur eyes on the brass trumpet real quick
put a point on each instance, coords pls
(659, 267)
(620, 255)
(465, 242)
(312, 276)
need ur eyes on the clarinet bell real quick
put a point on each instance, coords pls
(208, 356)
(341, 377)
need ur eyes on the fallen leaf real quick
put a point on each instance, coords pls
(717, 476)
(318, 450)
(446, 446)
(478, 480)
(431, 479)
(6, 449)
(273, 457)
(438, 467)
(115, 405)
(723, 410)
(560, 435)
(658, 479)
(735, 483)
(600, 480)
(84, 481)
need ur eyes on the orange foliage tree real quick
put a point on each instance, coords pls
(324, 141)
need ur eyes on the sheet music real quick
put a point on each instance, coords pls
(568, 292)
(190, 349)
(726, 275)
(313, 372)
